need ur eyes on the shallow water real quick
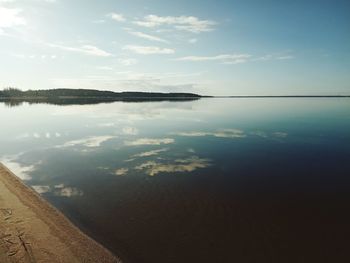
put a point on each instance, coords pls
(213, 180)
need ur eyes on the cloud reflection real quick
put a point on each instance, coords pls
(224, 133)
(263, 134)
(58, 190)
(91, 142)
(121, 171)
(20, 170)
(150, 153)
(41, 189)
(62, 190)
(148, 141)
(280, 134)
(130, 131)
(190, 164)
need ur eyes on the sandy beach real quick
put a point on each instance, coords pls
(31, 230)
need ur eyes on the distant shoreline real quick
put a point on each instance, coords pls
(287, 96)
(61, 97)
(105, 95)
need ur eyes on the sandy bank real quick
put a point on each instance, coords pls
(31, 230)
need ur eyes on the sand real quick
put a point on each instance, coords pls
(31, 230)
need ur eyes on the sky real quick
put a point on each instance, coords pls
(208, 47)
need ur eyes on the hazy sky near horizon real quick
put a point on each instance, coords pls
(210, 47)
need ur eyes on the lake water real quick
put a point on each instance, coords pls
(212, 180)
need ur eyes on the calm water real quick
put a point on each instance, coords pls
(214, 180)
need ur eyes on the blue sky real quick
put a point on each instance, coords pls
(208, 47)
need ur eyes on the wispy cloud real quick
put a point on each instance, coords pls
(85, 49)
(275, 56)
(117, 17)
(186, 23)
(148, 37)
(224, 58)
(128, 61)
(10, 17)
(148, 141)
(285, 57)
(231, 59)
(148, 50)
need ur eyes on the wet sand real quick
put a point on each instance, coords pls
(31, 230)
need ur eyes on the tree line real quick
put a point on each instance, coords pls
(87, 93)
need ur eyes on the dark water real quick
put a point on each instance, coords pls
(213, 180)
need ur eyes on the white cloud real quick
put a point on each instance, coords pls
(193, 40)
(224, 58)
(235, 61)
(128, 61)
(186, 23)
(230, 59)
(117, 17)
(180, 165)
(85, 49)
(121, 171)
(148, 50)
(148, 141)
(148, 37)
(10, 17)
(275, 56)
(91, 142)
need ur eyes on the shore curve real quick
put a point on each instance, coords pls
(33, 231)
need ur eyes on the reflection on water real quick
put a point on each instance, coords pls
(210, 180)
(14, 102)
